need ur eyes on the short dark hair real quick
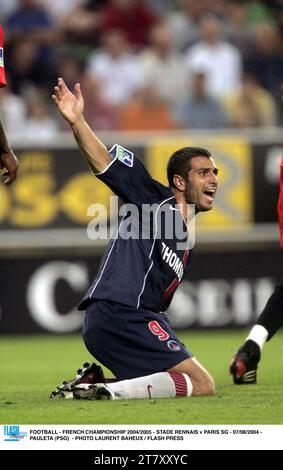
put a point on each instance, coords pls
(179, 162)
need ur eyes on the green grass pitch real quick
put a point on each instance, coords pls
(31, 367)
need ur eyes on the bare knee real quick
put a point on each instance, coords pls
(203, 387)
(202, 381)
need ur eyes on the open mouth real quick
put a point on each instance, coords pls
(209, 193)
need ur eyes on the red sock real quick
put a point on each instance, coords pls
(180, 382)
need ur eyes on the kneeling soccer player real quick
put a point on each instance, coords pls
(125, 327)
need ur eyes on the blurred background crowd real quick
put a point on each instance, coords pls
(144, 64)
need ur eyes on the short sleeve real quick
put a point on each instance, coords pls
(127, 177)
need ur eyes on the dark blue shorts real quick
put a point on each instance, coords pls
(129, 342)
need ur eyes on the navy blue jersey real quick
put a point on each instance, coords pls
(143, 270)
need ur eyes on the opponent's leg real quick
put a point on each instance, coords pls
(272, 316)
(244, 365)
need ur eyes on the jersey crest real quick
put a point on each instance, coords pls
(125, 156)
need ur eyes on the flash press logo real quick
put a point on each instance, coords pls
(13, 433)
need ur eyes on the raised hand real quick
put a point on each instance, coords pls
(8, 160)
(8, 166)
(70, 105)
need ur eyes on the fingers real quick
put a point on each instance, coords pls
(9, 167)
(62, 85)
(55, 99)
(58, 93)
(12, 175)
(4, 176)
(9, 176)
(77, 90)
(60, 90)
(13, 171)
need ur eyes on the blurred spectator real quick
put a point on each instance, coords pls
(146, 111)
(43, 40)
(115, 68)
(185, 22)
(60, 8)
(265, 60)
(252, 106)
(219, 8)
(134, 17)
(258, 12)
(22, 65)
(30, 26)
(217, 58)
(199, 110)
(80, 24)
(6, 6)
(161, 65)
(98, 113)
(12, 111)
(277, 12)
(70, 68)
(31, 21)
(236, 27)
(162, 6)
(40, 124)
(25, 68)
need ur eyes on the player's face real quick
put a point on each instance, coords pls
(201, 184)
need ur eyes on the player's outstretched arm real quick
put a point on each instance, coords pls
(8, 160)
(71, 106)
